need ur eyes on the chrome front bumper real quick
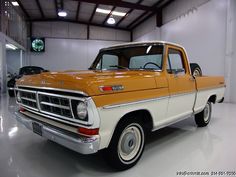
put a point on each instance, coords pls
(83, 145)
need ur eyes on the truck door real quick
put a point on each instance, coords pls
(181, 84)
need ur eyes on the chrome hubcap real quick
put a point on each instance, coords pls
(130, 142)
(207, 112)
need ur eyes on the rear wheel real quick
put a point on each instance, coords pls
(203, 118)
(195, 69)
(126, 146)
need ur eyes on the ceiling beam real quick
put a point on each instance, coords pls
(56, 7)
(94, 10)
(23, 9)
(137, 19)
(159, 5)
(62, 4)
(40, 8)
(77, 12)
(76, 21)
(119, 3)
(158, 13)
(113, 8)
(128, 13)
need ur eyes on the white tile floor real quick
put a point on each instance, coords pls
(181, 147)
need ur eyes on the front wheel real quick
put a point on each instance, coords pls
(203, 118)
(126, 146)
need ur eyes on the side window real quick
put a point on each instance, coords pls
(175, 61)
(108, 61)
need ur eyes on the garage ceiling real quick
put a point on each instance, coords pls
(84, 11)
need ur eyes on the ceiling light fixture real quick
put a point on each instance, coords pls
(104, 11)
(14, 3)
(121, 14)
(111, 21)
(11, 46)
(62, 13)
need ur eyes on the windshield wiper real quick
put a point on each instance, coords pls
(118, 66)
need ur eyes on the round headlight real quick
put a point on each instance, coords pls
(82, 110)
(18, 97)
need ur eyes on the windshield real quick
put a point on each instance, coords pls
(148, 57)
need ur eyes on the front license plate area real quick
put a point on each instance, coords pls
(37, 128)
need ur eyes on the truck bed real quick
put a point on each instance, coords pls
(208, 85)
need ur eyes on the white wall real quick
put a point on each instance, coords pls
(1, 66)
(180, 7)
(204, 28)
(77, 31)
(67, 46)
(147, 31)
(13, 61)
(232, 51)
(67, 54)
(203, 34)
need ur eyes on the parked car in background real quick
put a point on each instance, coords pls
(26, 70)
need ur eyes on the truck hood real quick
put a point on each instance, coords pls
(90, 82)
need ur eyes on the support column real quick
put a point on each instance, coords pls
(230, 36)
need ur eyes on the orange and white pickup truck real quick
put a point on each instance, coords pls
(129, 90)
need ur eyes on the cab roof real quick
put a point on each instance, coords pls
(133, 44)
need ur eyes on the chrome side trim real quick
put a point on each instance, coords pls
(154, 99)
(210, 88)
(182, 94)
(135, 102)
(10, 88)
(54, 89)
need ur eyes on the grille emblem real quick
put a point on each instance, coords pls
(61, 82)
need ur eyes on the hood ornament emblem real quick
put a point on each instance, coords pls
(43, 82)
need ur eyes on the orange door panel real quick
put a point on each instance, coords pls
(181, 84)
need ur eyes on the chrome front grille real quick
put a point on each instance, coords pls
(55, 105)
(28, 99)
(47, 103)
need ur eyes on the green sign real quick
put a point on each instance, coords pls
(37, 44)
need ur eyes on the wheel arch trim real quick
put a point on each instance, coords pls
(127, 114)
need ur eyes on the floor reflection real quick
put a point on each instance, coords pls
(182, 146)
